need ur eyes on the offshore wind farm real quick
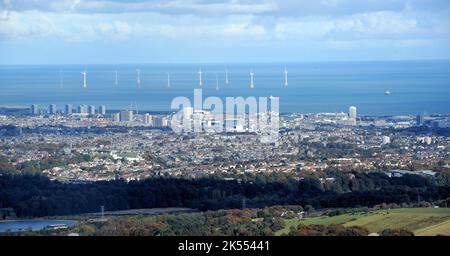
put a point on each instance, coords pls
(413, 86)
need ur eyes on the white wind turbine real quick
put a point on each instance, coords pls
(84, 73)
(217, 82)
(168, 80)
(138, 77)
(116, 82)
(226, 76)
(251, 79)
(285, 77)
(200, 82)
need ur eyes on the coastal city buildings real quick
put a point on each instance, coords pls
(132, 146)
(91, 110)
(102, 110)
(52, 109)
(352, 114)
(126, 116)
(420, 120)
(82, 109)
(34, 109)
(68, 109)
(115, 117)
(148, 119)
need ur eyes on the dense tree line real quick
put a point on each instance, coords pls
(341, 230)
(33, 195)
(396, 232)
(211, 223)
(328, 230)
(248, 222)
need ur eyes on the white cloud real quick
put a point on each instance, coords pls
(161, 6)
(117, 30)
(16, 25)
(88, 27)
(376, 26)
(227, 29)
(149, 26)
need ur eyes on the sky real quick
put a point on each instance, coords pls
(221, 31)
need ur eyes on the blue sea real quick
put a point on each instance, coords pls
(415, 86)
(35, 225)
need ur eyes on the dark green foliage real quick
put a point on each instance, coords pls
(35, 196)
(396, 232)
(328, 230)
(210, 223)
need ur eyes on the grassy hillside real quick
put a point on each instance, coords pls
(442, 228)
(421, 221)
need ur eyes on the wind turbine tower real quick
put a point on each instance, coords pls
(217, 83)
(285, 77)
(84, 73)
(226, 76)
(200, 83)
(138, 77)
(168, 80)
(137, 110)
(251, 79)
(117, 80)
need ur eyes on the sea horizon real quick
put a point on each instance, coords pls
(414, 86)
(226, 62)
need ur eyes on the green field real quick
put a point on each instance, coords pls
(421, 221)
(442, 228)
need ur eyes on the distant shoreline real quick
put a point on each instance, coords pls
(168, 112)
